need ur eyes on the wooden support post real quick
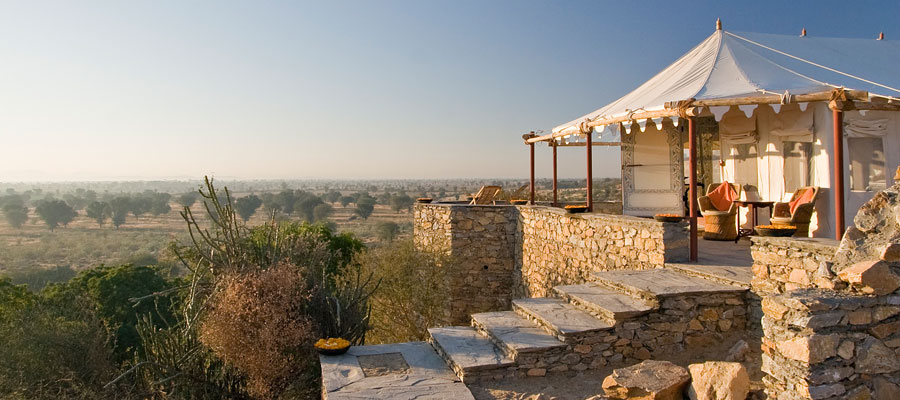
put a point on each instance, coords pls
(838, 117)
(555, 200)
(692, 193)
(531, 198)
(590, 173)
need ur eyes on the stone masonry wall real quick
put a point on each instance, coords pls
(783, 264)
(557, 248)
(836, 335)
(481, 243)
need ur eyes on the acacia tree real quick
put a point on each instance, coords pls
(322, 212)
(99, 211)
(188, 199)
(16, 213)
(246, 206)
(401, 202)
(364, 207)
(387, 230)
(119, 207)
(55, 213)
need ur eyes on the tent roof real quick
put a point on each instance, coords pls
(733, 64)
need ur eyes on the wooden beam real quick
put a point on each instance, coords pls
(860, 105)
(614, 120)
(773, 99)
(582, 144)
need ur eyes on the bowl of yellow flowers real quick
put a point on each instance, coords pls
(332, 346)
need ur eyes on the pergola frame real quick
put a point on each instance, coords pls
(839, 101)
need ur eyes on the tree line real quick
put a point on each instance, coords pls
(116, 208)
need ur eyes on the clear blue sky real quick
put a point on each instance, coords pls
(363, 89)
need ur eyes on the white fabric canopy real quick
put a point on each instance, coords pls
(728, 64)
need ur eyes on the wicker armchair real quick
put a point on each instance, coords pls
(781, 214)
(719, 225)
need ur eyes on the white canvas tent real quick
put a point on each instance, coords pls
(770, 96)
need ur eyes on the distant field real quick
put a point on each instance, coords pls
(35, 251)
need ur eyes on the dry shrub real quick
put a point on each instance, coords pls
(256, 325)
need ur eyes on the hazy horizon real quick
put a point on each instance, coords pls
(100, 91)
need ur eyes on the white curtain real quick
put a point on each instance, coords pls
(793, 124)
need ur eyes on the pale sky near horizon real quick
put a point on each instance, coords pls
(110, 90)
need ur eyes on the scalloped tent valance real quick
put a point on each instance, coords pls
(731, 65)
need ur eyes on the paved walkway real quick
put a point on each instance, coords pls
(402, 371)
(722, 261)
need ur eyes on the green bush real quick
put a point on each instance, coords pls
(413, 294)
(50, 350)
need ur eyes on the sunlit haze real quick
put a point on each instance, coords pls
(122, 90)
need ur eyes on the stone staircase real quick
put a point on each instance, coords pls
(618, 319)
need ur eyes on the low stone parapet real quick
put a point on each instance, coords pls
(558, 248)
(782, 263)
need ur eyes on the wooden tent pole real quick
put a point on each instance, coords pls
(692, 194)
(590, 173)
(531, 148)
(555, 200)
(838, 121)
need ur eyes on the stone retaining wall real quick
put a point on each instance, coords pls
(538, 247)
(782, 264)
(836, 335)
(822, 344)
(558, 248)
(481, 243)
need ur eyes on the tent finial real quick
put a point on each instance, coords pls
(881, 36)
(718, 24)
(803, 32)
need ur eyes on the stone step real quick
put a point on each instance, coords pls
(611, 305)
(466, 350)
(515, 334)
(726, 274)
(655, 284)
(390, 371)
(559, 317)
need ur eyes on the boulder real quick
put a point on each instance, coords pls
(649, 380)
(718, 380)
(871, 277)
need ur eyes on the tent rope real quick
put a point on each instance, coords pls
(814, 63)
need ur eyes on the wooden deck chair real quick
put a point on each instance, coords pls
(519, 193)
(485, 195)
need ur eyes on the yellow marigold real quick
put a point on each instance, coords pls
(332, 344)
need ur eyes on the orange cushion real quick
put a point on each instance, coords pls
(804, 198)
(722, 197)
